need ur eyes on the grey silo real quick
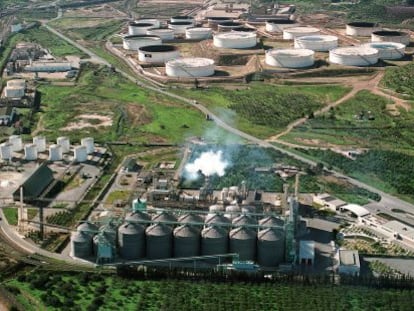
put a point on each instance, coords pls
(217, 220)
(159, 241)
(271, 221)
(88, 228)
(186, 241)
(164, 217)
(131, 240)
(190, 218)
(214, 241)
(270, 247)
(243, 220)
(81, 244)
(243, 242)
(138, 217)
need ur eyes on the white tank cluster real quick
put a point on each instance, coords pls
(235, 40)
(40, 142)
(164, 34)
(320, 43)
(391, 36)
(388, 50)
(89, 143)
(15, 88)
(180, 27)
(30, 152)
(64, 143)
(290, 58)
(278, 25)
(294, 32)
(139, 28)
(157, 53)
(55, 152)
(134, 42)
(190, 67)
(198, 33)
(361, 29)
(80, 154)
(354, 56)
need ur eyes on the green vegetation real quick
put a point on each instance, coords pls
(381, 268)
(119, 195)
(400, 79)
(11, 215)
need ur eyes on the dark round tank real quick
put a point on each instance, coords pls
(87, 227)
(81, 244)
(214, 21)
(217, 220)
(158, 48)
(183, 17)
(270, 247)
(186, 241)
(270, 221)
(159, 241)
(139, 36)
(214, 241)
(164, 217)
(244, 29)
(243, 220)
(363, 24)
(131, 241)
(181, 23)
(134, 24)
(280, 21)
(389, 33)
(243, 242)
(138, 217)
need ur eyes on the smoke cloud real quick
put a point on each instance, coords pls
(209, 163)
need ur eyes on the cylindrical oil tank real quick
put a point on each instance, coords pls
(157, 53)
(180, 27)
(354, 56)
(228, 26)
(138, 217)
(320, 43)
(391, 36)
(30, 152)
(81, 245)
(388, 50)
(270, 221)
(186, 241)
(164, 217)
(89, 143)
(192, 219)
(16, 142)
(235, 40)
(159, 241)
(155, 22)
(55, 152)
(131, 241)
(40, 142)
(134, 42)
(217, 220)
(293, 32)
(88, 228)
(164, 34)
(214, 241)
(6, 151)
(270, 247)
(290, 58)
(190, 67)
(244, 29)
(182, 18)
(243, 220)
(80, 154)
(243, 242)
(64, 142)
(361, 29)
(232, 211)
(139, 28)
(214, 21)
(198, 33)
(278, 25)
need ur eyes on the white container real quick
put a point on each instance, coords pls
(16, 142)
(64, 142)
(388, 50)
(162, 33)
(235, 40)
(190, 67)
(157, 53)
(180, 27)
(354, 56)
(40, 142)
(198, 33)
(278, 25)
(80, 154)
(55, 152)
(6, 151)
(30, 152)
(135, 42)
(361, 29)
(320, 43)
(139, 28)
(290, 58)
(89, 143)
(293, 32)
(391, 36)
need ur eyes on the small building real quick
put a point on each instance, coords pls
(348, 262)
(327, 201)
(39, 66)
(130, 165)
(306, 252)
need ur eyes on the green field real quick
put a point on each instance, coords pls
(11, 215)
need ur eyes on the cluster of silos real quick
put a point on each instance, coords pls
(82, 240)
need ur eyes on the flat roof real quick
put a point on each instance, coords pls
(349, 257)
(400, 228)
(356, 209)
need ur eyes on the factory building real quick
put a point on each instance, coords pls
(41, 66)
(327, 201)
(348, 262)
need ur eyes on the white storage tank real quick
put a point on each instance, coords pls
(16, 143)
(354, 56)
(321, 43)
(243, 242)
(164, 34)
(186, 241)
(30, 152)
(80, 154)
(134, 42)
(198, 33)
(228, 26)
(89, 143)
(157, 54)
(278, 25)
(391, 36)
(388, 50)
(155, 22)
(270, 247)
(235, 40)
(64, 142)
(182, 18)
(180, 27)
(293, 32)
(139, 28)
(55, 152)
(361, 29)
(214, 21)
(6, 151)
(159, 241)
(15, 88)
(190, 67)
(290, 58)
(40, 142)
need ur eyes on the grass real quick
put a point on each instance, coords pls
(11, 215)
(118, 195)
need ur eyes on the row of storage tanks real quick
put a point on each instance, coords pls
(142, 237)
(38, 145)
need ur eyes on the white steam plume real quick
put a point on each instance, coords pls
(209, 163)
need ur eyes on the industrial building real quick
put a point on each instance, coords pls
(327, 201)
(48, 66)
